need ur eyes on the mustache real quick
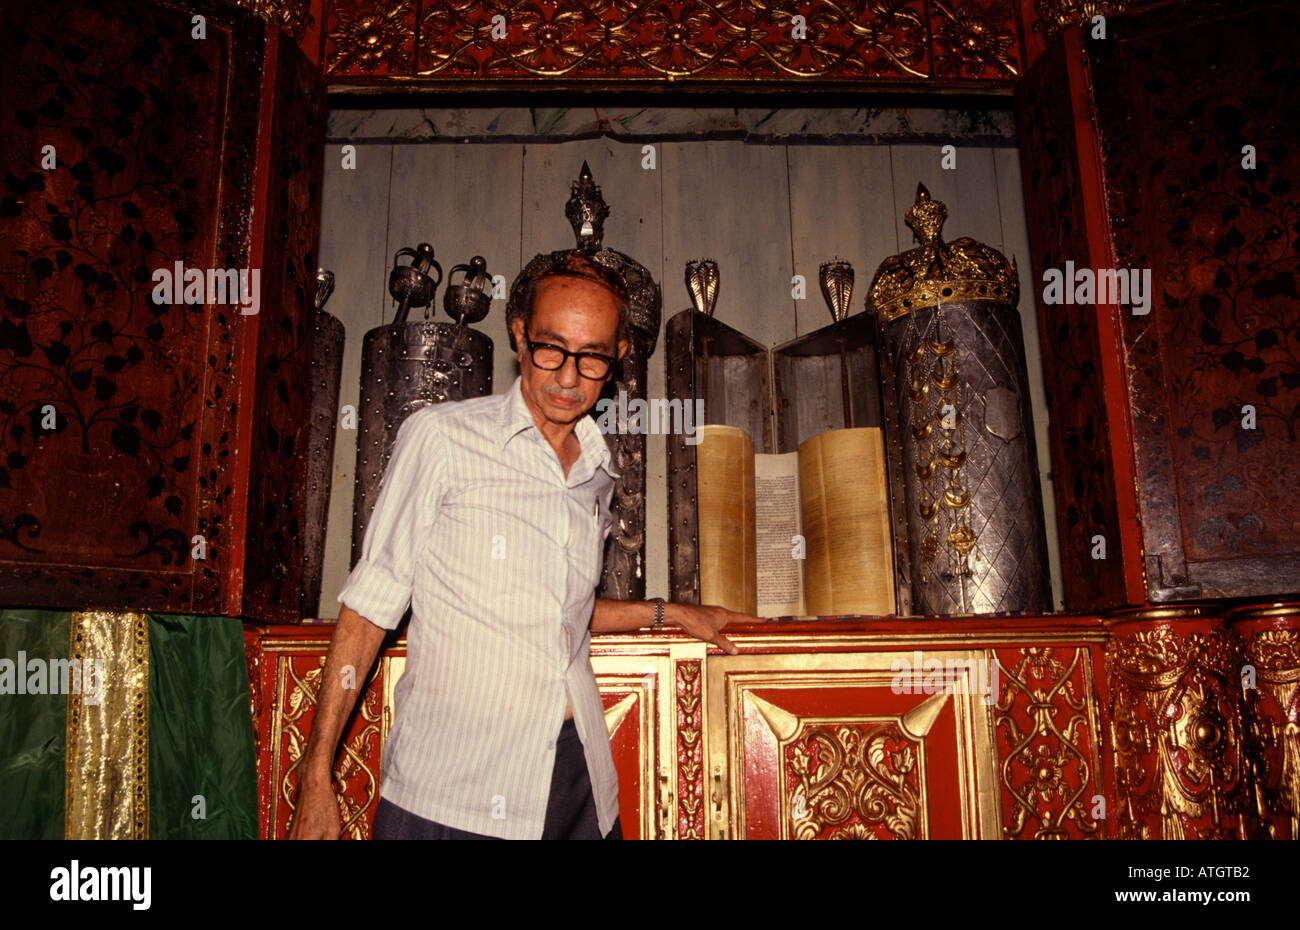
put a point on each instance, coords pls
(567, 395)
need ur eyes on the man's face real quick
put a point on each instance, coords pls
(575, 314)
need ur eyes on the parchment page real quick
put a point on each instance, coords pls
(724, 501)
(776, 520)
(845, 505)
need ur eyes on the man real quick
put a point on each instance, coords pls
(490, 522)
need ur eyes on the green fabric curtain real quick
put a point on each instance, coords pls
(33, 731)
(201, 738)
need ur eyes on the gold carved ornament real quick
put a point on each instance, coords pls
(678, 41)
(690, 752)
(368, 35)
(294, 16)
(937, 270)
(1044, 736)
(729, 41)
(939, 467)
(1055, 15)
(353, 766)
(1275, 737)
(1177, 752)
(851, 781)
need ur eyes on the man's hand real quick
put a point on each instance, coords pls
(704, 621)
(317, 816)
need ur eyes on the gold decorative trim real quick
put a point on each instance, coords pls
(356, 783)
(722, 42)
(871, 771)
(928, 294)
(868, 768)
(368, 36)
(1272, 730)
(1176, 734)
(796, 643)
(1149, 614)
(106, 768)
(691, 820)
(966, 38)
(1270, 611)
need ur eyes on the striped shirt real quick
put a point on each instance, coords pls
(498, 555)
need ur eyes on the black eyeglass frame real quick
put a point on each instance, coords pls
(609, 360)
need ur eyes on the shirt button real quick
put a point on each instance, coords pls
(551, 745)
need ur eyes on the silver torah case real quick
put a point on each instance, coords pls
(406, 366)
(326, 375)
(953, 356)
(623, 573)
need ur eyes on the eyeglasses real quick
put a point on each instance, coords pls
(591, 365)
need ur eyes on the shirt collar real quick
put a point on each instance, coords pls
(515, 417)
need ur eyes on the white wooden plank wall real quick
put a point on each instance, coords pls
(763, 212)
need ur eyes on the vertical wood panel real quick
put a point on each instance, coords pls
(464, 201)
(353, 245)
(842, 205)
(969, 191)
(1015, 244)
(730, 202)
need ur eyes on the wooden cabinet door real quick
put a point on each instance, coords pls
(831, 747)
(635, 691)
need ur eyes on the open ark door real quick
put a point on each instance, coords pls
(159, 229)
(1163, 194)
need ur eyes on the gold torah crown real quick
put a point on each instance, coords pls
(936, 270)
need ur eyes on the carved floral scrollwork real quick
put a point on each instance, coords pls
(974, 39)
(722, 40)
(854, 782)
(363, 36)
(1045, 720)
(690, 752)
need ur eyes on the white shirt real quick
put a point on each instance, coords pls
(498, 554)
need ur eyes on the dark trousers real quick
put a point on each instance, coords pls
(570, 810)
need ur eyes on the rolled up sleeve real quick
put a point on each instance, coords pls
(380, 585)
